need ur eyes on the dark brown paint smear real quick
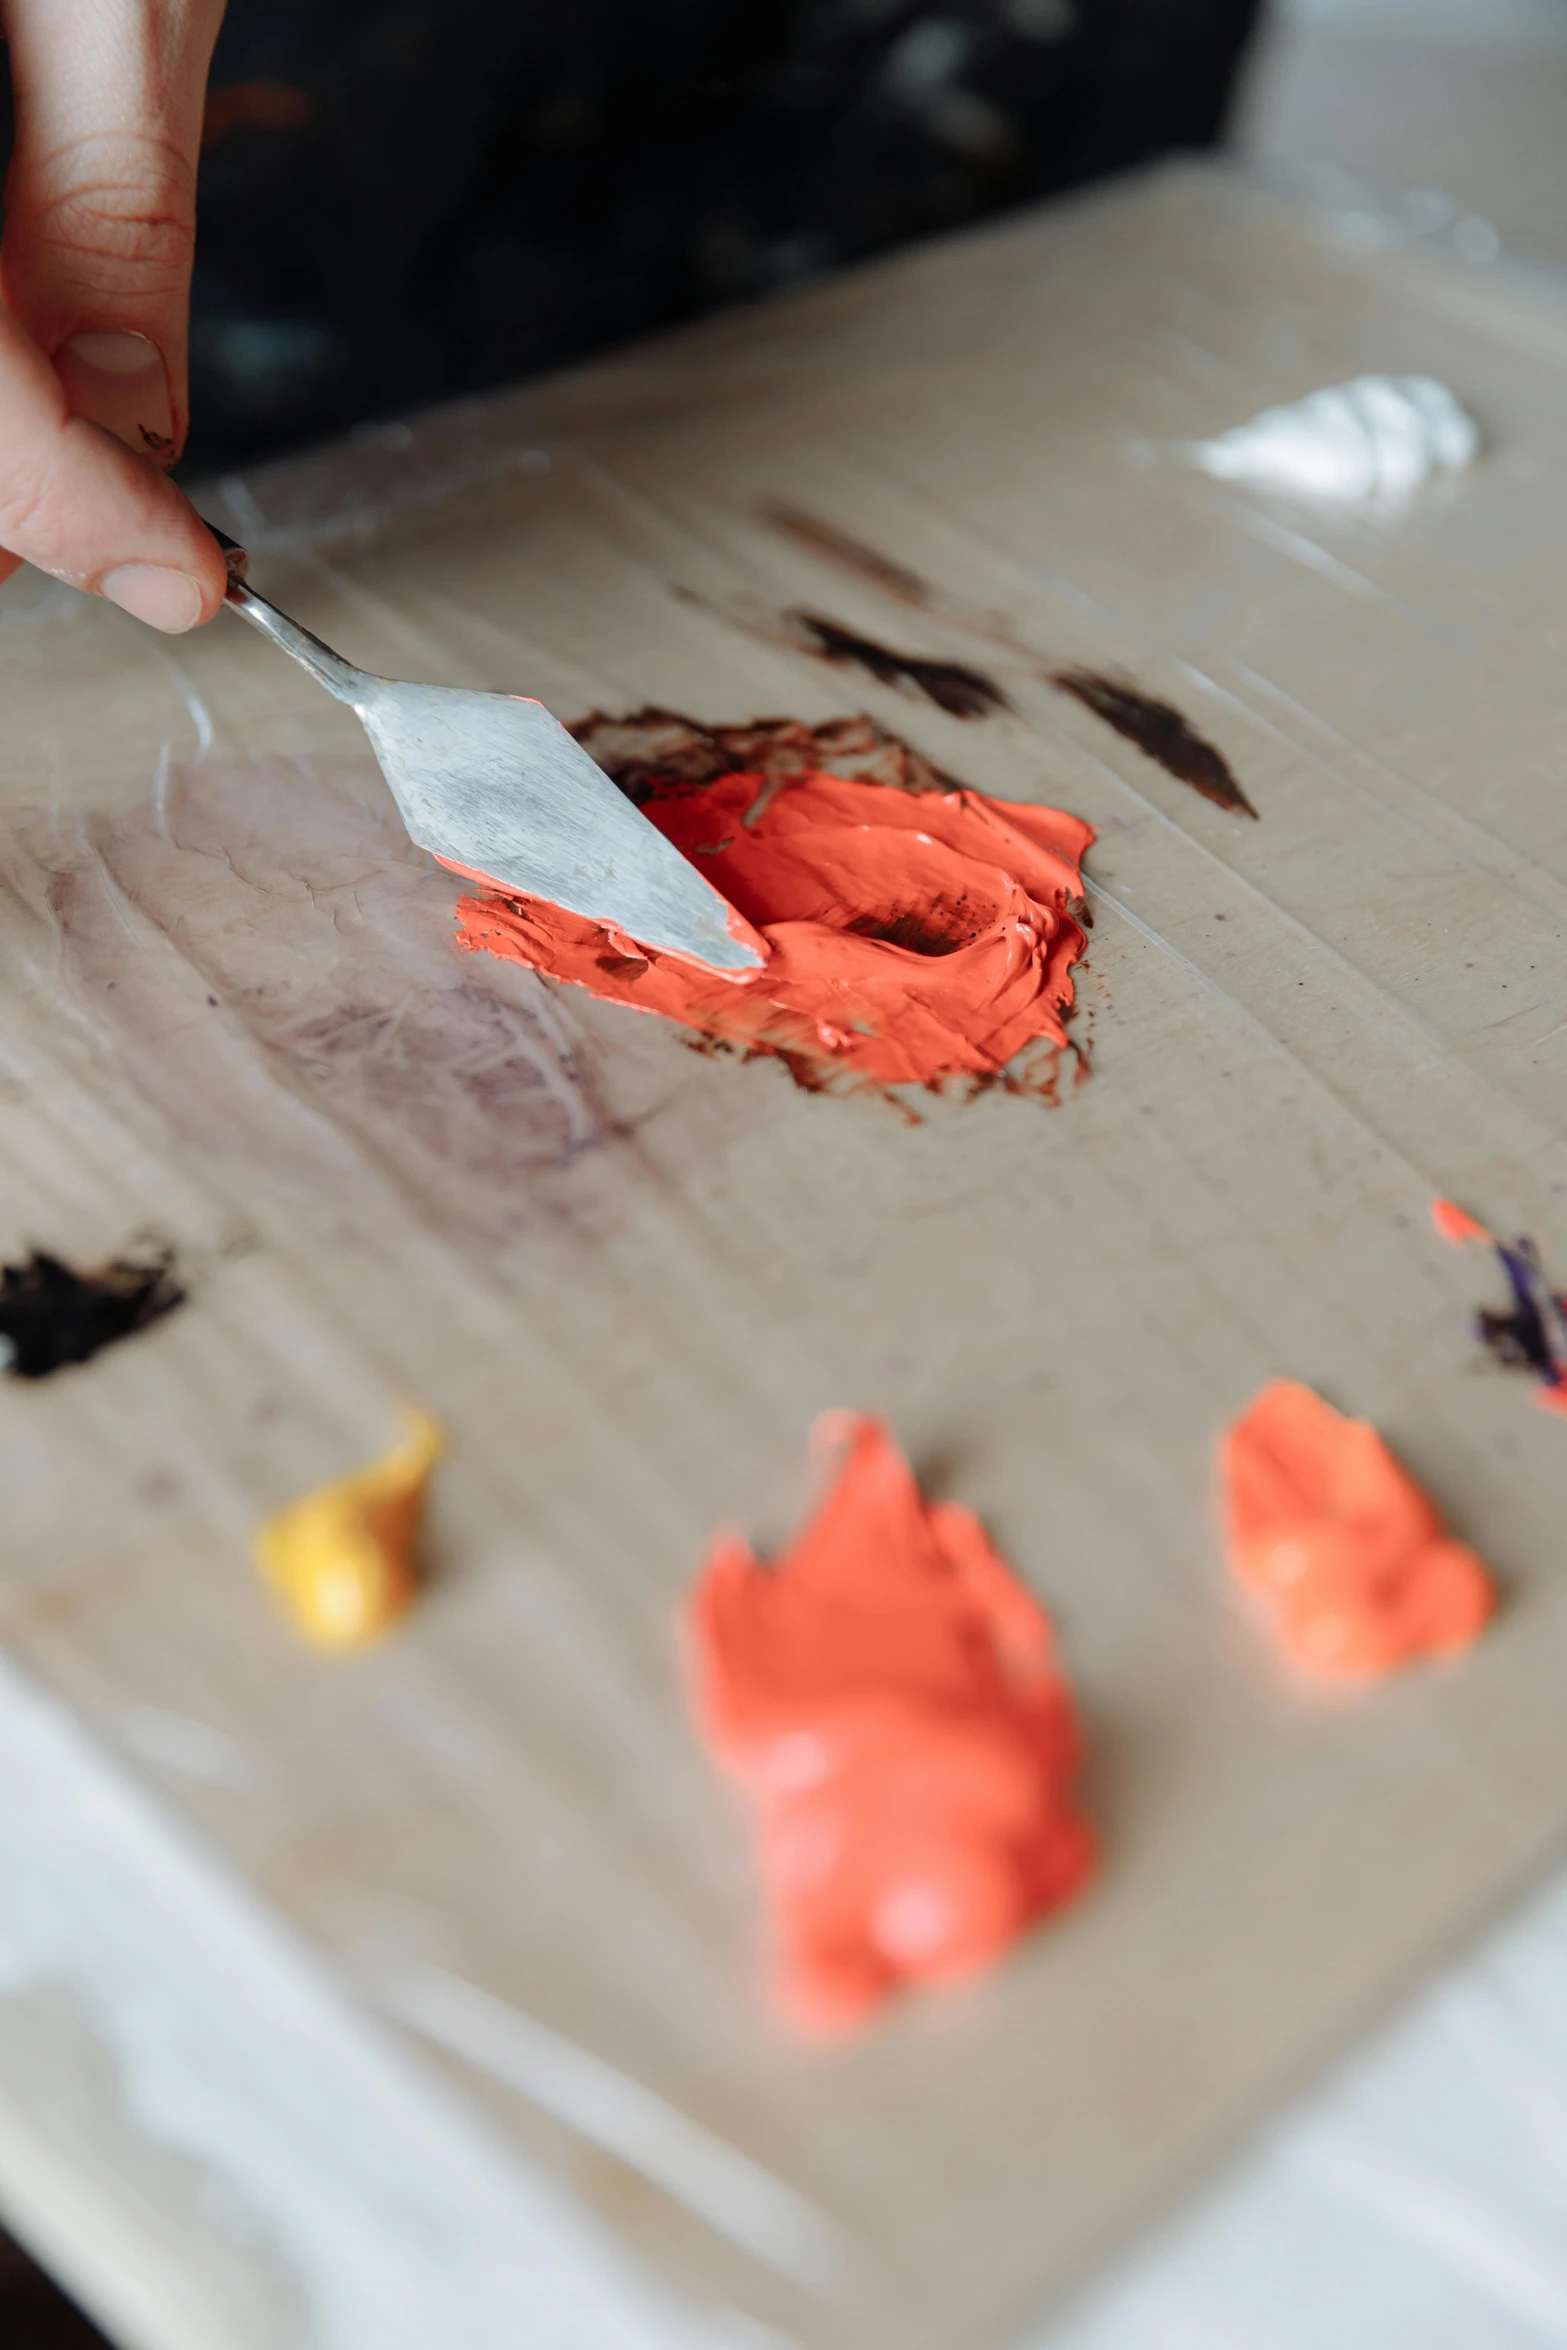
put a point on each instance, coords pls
(1159, 730)
(849, 554)
(51, 1315)
(962, 692)
(652, 751)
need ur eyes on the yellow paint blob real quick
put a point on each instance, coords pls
(341, 1559)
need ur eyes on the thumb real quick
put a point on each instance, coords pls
(77, 504)
(100, 203)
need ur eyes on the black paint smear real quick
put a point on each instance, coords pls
(1528, 1335)
(964, 693)
(51, 1315)
(1158, 729)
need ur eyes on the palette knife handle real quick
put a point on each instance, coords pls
(340, 677)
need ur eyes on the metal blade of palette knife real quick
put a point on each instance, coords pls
(497, 789)
(494, 785)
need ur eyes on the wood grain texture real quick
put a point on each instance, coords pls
(626, 1275)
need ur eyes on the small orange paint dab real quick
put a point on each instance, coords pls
(1338, 1544)
(889, 1693)
(341, 1559)
(1553, 1396)
(1456, 1224)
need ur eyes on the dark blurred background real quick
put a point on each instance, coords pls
(402, 200)
(405, 200)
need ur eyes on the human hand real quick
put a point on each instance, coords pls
(95, 266)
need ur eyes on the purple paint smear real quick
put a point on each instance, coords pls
(1531, 1334)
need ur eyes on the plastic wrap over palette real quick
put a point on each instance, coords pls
(1372, 442)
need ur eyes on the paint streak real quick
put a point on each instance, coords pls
(283, 928)
(341, 1559)
(1343, 1552)
(51, 1315)
(1159, 730)
(890, 1695)
(846, 553)
(961, 692)
(912, 938)
(1157, 727)
(1529, 1334)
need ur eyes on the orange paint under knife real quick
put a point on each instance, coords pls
(910, 937)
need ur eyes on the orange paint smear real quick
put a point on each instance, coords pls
(911, 937)
(1346, 1555)
(1456, 1224)
(889, 1694)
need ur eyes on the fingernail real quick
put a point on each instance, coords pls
(120, 382)
(150, 591)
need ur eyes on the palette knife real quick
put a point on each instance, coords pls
(493, 786)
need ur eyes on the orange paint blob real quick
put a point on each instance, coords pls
(911, 937)
(1455, 1223)
(890, 1695)
(1339, 1544)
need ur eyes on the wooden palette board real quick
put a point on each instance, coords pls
(626, 1275)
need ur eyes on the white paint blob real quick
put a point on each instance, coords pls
(1372, 442)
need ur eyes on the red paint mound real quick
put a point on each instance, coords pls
(912, 937)
(1340, 1545)
(890, 1695)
